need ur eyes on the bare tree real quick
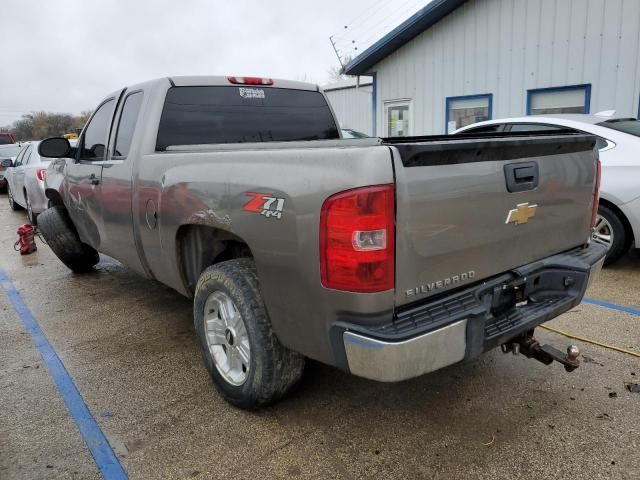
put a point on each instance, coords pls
(39, 125)
(79, 121)
(337, 73)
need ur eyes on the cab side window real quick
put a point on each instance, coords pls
(95, 135)
(127, 125)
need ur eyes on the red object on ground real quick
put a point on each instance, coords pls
(26, 239)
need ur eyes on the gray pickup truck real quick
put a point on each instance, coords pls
(387, 258)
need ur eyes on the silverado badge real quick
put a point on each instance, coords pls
(522, 213)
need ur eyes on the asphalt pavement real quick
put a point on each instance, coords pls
(128, 346)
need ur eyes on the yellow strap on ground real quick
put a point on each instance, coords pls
(593, 342)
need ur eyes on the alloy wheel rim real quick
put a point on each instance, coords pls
(603, 232)
(29, 210)
(10, 197)
(227, 338)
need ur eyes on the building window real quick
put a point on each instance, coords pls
(572, 99)
(397, 118)
(463, 111)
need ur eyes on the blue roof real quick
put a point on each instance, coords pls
(407, 31)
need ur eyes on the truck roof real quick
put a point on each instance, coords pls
(219, 80)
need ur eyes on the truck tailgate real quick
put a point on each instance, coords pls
(470, 208)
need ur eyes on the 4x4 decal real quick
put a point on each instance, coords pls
(265, 204)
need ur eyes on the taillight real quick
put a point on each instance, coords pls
(357, 236)
(250, 81)
(596, 194)
(41, 174)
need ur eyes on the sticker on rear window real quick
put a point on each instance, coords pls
(251, 92)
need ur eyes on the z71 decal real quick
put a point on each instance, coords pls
(265, 204)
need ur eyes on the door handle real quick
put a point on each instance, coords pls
(93, 179)
(521, 176)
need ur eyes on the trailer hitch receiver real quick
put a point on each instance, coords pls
(529, 346)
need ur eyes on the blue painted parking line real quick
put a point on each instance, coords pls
(612, 306)
(104, 456)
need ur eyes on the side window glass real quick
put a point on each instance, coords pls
(483, 129)
(601, 143)
(21, 158)
(95, 135)
(534, 127)
(127, 125)
(27, 156)
(18, 161)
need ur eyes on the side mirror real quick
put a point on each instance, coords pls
(54, 147)
(7, 162)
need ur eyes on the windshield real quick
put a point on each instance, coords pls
(9, 150)
(625, 125)
(206, 115)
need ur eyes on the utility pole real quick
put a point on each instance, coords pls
(333, 44)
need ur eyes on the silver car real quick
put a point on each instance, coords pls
(26, 181)
(8, 154)
(618, 141)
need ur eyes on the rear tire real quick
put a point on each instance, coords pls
(267, 370)
(62, 238)
(609, 223)
(33, 217)
(14, 206)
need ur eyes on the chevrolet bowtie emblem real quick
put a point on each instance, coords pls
(522, 213)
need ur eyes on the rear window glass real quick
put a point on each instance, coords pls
(205, 115)
(630, 126)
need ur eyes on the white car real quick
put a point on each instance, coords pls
(26, 181)
(8, 154)
(618, 140)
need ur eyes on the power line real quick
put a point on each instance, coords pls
(362, 32)
(398, 9)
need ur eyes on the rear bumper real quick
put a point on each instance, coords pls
(430, 335)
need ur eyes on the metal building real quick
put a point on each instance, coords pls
(351, 103)
(456, 62)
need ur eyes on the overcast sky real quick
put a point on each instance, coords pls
(65, 55)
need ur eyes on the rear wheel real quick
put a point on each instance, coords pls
(33, 217)
(62, 238)
(248, 365)
(609, 231)
(12, 203)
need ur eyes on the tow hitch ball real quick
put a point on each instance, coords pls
(528, 346)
